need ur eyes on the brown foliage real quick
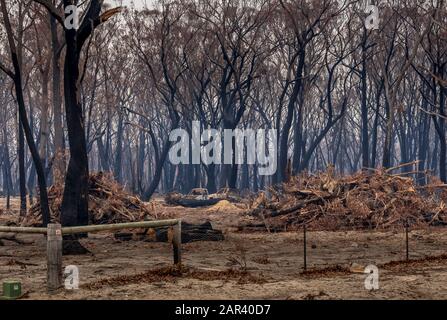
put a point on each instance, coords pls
(108, 203)
(365, 200)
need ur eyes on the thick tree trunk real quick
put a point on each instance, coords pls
(387, 145)
(211, 178)
(158, 171)
(44, 124)
(140, 161)
(443, 155)
(255, 178)
(284, 140)
(103, 155)
(119, 148)
(245, 178)
(298, 138)
(442, 159)
(7, 178)
(228, 178)
(375, 129)
(442, 138)
(364, 106)
(59, 160)
(74, 210)
(423, 145)
(34, 153)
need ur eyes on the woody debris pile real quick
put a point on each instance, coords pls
(108, 203)
(374, 199)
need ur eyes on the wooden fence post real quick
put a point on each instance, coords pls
(54, 257)
(177, 243)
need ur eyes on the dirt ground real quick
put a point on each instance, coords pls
(244, 266)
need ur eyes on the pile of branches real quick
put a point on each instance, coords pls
(373, 199)
(108, 203)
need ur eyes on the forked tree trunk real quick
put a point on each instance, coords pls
(74, 210)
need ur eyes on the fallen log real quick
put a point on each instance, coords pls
(298, 206)
(196, 203)
(12, 237)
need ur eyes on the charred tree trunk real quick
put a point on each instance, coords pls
(211, 178)
(59, 160)
(284, 140)
(74, 210)
(160, 160)
(364, 106)
(7, 178)
(119, 148)
(22, 173)
(140, 161)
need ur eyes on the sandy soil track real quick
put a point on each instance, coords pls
(275, 261)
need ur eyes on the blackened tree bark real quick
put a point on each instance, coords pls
(440, 129)
(140, 159)
(59, 161)
(7, 178)
(22, 173)
(303, 33)
(375, 126)
(211, 177)
(364, 106)
(74, 209)
(119, 147)
(391, 88)
(284, 140)
(160, 158)
(423, 142)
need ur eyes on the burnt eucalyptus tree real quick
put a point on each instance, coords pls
(160, 52)
(74, 210)
(237, 30)
(393, 80)
(305, 20)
